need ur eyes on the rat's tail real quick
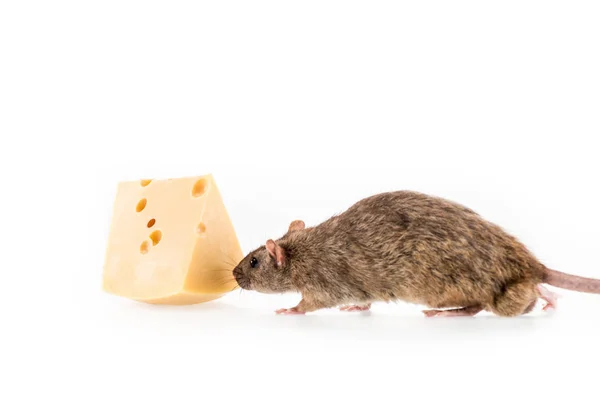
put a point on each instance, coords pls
(571, 282)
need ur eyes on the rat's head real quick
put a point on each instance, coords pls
(266, 269)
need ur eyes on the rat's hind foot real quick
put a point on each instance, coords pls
(457, 312)
(549, 297)
(365, 307)
(289, 311)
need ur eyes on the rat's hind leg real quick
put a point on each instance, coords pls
(516, 299)
(356, 307)
(551, 298)
(457, 312)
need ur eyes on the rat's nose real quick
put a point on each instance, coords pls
(236, 274)
(241, 280)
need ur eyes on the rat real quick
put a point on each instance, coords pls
(405, 246)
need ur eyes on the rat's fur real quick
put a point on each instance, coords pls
(404, 246)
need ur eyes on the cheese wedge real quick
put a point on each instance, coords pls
(170, 242)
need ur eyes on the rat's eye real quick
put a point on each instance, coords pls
(253, 262)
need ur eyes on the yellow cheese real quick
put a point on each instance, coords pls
(170, 242)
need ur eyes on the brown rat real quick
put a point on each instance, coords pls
(405, 246)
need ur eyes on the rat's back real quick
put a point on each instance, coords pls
(424, 249)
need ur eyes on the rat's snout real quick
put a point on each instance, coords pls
(240, 278)
(236, 274)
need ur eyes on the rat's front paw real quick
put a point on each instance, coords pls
(289, 311)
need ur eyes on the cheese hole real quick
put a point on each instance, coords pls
(201, 228)
(199, 188)
(155, 237)
(144, 247)
(141, 205)
(151, 223)
(145, 182)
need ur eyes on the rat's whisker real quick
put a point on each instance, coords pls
(221, 279)
(229, 264)
(226, 281)
(217, 270)
(228, 257)
(231, 258)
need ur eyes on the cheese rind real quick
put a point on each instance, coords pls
(170, 242)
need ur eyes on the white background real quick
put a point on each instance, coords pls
(299, 109)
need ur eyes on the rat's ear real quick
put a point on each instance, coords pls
(271, 247)
(296, 225)
(276, 252)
